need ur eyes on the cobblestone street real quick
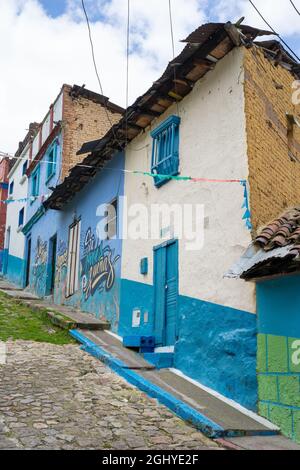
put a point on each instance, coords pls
(58, 397)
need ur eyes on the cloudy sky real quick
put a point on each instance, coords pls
(44, 43)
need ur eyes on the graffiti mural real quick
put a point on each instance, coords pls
(61, 262)
(39, 270)
(97, 266)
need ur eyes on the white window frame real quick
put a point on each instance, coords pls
(73, 258)
(113, 220)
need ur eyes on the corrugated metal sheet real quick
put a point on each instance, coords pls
(255, 258)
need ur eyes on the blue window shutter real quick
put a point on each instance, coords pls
(11, 188)
(35, 182)
(21, 217)
(165, 150)
(24, 169)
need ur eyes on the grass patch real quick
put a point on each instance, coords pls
(17, 321)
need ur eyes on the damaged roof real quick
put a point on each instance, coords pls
(204, 48)
(276, 249)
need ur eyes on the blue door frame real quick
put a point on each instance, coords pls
(26, 276)
(166, 293)
(51, 268)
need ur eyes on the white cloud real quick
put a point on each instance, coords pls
(279, 13)
(39, 53)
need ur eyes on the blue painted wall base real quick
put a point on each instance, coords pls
(216, 344)
(15, 268)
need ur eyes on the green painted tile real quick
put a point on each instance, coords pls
(296, 415)
(289, 390)
(267, 388)
(283, 418)
(263, 410)
(294, 354)
(277, 354)
(262, 353)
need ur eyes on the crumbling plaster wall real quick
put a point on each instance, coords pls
(83, 121)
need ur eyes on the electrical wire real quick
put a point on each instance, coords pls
(96, 70)
(171, 28)
(293, 4)
(273, 30)
(127, 66)
(173, 49)
(127, 73)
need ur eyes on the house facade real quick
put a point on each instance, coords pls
(4, 170)
(76, 115)
(272, 261)
(216, 137)
(62, 241)
(13, 261)
(168, 290)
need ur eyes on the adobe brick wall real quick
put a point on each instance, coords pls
(83, 120)
(273, 177)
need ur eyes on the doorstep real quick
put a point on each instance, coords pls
(209, 413)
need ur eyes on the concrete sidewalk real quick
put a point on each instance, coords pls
(217, 417)
(232, 426)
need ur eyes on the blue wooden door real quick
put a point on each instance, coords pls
(166, 293)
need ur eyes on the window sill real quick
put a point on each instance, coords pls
(165, 180)
(23, 179)
(9, 198)
(20, 228)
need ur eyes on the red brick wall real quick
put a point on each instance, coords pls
(83, 121)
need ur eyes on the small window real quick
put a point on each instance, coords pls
(21, 217)
(24, 168)
(112, 220)
(35, 182)
(51, 163)
(11, 188)
(165, 150)
(73, 259)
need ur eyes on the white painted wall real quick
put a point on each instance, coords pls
(212, 145)
(17, 239)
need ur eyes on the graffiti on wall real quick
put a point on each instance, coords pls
(97, 266)
(40, 265)
(61, 262)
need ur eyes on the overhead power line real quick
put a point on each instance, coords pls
(127, 66)
(272, 29)
(171, 27)
(173, 50)
(293, 4)
(96, 68)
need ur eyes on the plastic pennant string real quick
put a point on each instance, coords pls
(187, 178)
(247, 214)
(25, 199)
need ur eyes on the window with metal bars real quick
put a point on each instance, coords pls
(165, 150)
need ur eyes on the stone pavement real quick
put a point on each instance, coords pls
(58, 397)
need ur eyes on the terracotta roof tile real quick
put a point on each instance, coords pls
(283, 231)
